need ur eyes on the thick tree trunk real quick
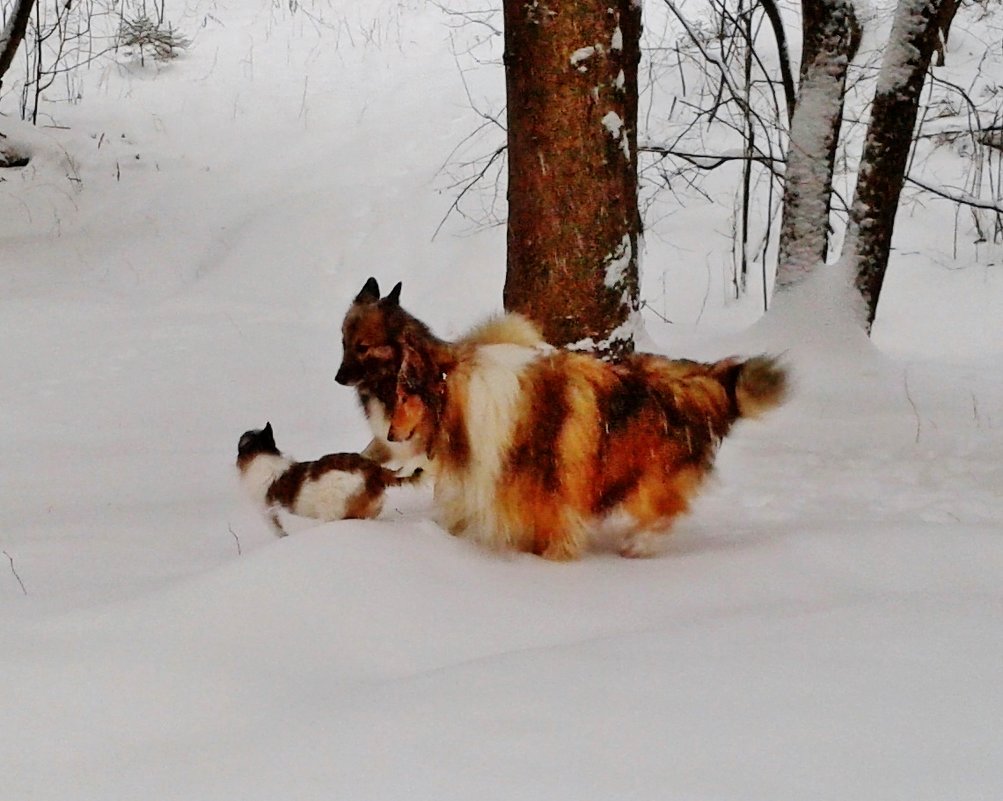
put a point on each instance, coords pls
(831, 38)
(573, 224)
(887, 145)
(13, 33)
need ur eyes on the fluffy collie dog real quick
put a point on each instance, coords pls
(338, 486)
(540, 450)
(372, 335)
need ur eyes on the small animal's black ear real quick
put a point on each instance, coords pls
(268, 428)
(370, 292)
(394, 298)
(266, 432)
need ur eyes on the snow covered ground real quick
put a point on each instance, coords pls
(174, 266)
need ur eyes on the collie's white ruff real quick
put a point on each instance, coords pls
(466, 498)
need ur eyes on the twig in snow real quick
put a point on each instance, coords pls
(235, 537)
(915, 411)
(662, 317)
(12, 570)
(306, 80)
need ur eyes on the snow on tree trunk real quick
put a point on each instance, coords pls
(887, 145)
(831, 37)
(13, 33)
(573, 220)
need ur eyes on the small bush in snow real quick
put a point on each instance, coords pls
(145, 35)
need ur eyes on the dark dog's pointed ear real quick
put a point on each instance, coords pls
(394, 298)
(370, 292)
(267, 431)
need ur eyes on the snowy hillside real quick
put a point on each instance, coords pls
(174, 266)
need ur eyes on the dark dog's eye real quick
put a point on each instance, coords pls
(361, 349)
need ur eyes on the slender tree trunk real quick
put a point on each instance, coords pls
(831, 38)
(573, 225)
(783, 54)
(13, 33)
(945, 16)
(887, 145)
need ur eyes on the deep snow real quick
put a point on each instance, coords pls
(174, 266)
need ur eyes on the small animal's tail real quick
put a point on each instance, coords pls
(395, 479)
(755, 385)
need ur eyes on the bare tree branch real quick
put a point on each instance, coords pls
(467, 186)
(958, 196)
(711, 161)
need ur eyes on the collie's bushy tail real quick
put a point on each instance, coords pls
(761, 384)
(507, 329)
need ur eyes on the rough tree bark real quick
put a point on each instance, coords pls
(831, 36)
(887, 145)
(573, 219)
(13, 33)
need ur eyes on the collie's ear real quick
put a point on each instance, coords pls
(267, 429)
(370, 292)
(394, 298)
(410, 362)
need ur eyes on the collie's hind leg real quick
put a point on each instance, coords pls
(645, 543)
(652, 508)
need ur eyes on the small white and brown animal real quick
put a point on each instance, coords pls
(339, 486)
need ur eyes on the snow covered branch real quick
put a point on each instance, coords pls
(958, 196)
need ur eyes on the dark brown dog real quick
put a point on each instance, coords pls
(373, 334)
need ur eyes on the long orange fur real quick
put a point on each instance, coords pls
(539, 449)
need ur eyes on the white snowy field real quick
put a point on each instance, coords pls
(174, 266)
